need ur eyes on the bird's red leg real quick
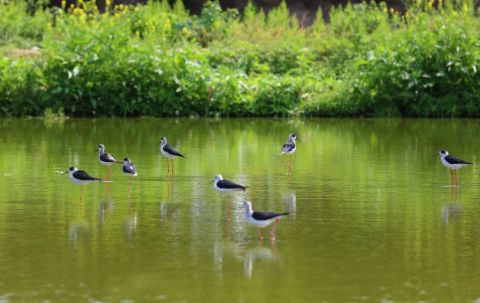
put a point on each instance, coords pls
(129, 184)
(283, 158)
(451, 173)
(173, 170)
(168, 167)
(456, 175)
(261, 233)
(107, 173)
(290, 164)
(272, 234)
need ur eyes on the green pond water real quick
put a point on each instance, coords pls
(373, 216)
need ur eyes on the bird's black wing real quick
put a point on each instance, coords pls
(172, 151)
(81, 175)
(106, 157)
(129, 168)
(229, 184)
(454, 160)
(288, 146)
(263, 216)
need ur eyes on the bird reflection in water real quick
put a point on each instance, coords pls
(77, 229)
(130, 226)
(289, 200)
(452, 210)
(104, 207)
(169, 189)
(259, 254)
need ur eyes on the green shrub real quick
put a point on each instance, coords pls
(157, 60)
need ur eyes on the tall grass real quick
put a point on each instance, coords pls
(157, 60)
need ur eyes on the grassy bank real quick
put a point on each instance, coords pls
(155, 60)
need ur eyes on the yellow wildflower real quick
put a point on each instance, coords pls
(385, 11)
(137, 34)
(64, 3)
(392, 11)
(121, 6)
(136, 9)
(108, 2)
(465, 8)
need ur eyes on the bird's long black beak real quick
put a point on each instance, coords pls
(95, 150)
(436, 155)
(212, 181)
(298, 139)
(64, 173)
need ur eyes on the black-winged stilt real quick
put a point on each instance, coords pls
(169, 152)
(129, 169)
(289, 148)
(262, 219)
(225, 187)
(452, 162)
(106, 159)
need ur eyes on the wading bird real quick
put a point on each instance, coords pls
(129, 169)
(169, 152)
(81, 178)
(289, 148)
(452, 162)
(106, 159)
(261, 219)
(225, 187)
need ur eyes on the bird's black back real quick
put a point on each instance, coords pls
(288, 146)
(228, 184)
(81, 175)
(454, 160)
(263, 216)
(172, 151)
(129, 168)
(106, 157)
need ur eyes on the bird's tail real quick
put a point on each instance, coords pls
(105, 181)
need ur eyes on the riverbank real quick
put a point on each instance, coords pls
(154, 60)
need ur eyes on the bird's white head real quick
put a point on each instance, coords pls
(293, 137)
(126, 161)
(101, 148)
(443, 153)
(218, 178)
(248, 207)
(164, 141)
(72, 169)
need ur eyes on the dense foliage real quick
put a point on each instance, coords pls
(155, 60)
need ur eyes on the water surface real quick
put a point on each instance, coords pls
(373, 214)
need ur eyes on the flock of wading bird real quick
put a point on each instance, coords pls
(256, 218)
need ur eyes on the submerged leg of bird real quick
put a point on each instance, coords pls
(129, 184)
(228, 197)
(173, 170)
(272, 234)
(451, 173)
(106, 170)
